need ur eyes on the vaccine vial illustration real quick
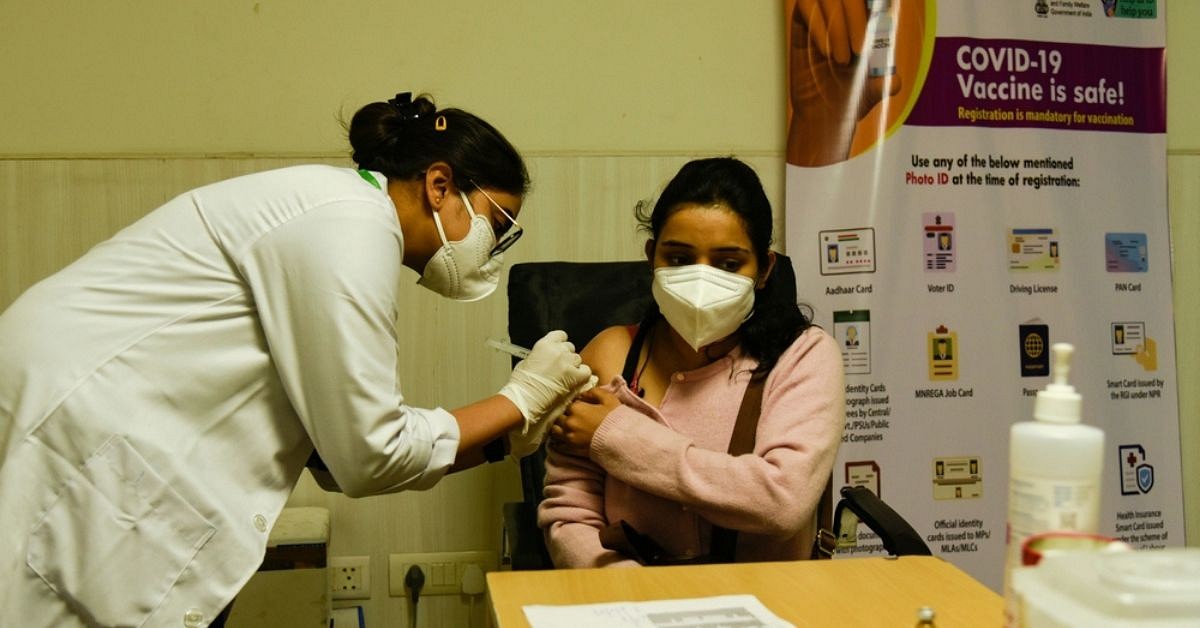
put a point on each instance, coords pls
(882, 29)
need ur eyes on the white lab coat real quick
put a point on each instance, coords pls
(160, 396)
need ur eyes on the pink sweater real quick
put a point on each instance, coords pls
(666, 470)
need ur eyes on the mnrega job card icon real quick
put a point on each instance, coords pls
(942, 346)
(847, 251)
(1033, 249)
(939, 242)
(1126, 253)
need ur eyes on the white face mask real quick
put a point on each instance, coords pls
(464, 270)
(703, 304)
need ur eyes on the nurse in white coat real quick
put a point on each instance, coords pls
(160, 396)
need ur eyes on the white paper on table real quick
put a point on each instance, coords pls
(743, 611)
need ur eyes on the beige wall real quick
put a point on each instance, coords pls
(111, 108)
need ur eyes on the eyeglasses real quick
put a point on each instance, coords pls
(509, 236)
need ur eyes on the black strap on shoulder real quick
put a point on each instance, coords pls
(635, 352)
(724, 540)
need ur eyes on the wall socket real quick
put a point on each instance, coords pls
(350, 577)
(443, 570)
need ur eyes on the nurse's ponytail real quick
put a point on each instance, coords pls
(403, 136)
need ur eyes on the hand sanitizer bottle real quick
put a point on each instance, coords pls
(1055, 467)
(881, 61)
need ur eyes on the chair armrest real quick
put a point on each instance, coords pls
(899, 538)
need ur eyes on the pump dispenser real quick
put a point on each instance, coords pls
(1055, 466)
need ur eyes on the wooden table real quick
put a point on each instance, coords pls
(851, 592)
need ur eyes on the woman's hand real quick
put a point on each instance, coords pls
(573, 432)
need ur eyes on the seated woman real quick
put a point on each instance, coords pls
(651, 448)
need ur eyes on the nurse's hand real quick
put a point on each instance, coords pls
(573, 432)
(526, 439)
(551, 375)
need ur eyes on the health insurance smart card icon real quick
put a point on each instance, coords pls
(939, 241)
(847, 251)
(1125, 253)
(1136, 475)
(1033, 249)
(852, 330)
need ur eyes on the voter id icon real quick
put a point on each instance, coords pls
(852, 330)
(942, 347)
(847, 251)
(939, 242)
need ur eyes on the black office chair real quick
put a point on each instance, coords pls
(584, 298)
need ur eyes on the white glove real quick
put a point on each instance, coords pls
(551, 374)
(526, 440)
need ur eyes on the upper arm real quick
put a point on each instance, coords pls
(605, 353)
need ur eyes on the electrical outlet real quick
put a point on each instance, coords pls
(443, 570)
(350, 577)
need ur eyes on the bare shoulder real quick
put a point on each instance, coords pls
(605, 354)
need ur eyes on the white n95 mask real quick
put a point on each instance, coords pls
(464, 270)
(703, 304)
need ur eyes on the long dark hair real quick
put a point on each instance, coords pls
(777, 319)
(403, 136)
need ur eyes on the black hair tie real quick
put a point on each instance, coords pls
(403, 104)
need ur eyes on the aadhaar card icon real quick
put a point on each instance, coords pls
(852, 330)
(847, 251)
(1032, 250)
(942, 345)
(939, 241)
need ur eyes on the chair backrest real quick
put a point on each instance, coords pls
(580, 298)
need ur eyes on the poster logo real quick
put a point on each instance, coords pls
(1041, 8)
(1137, 476)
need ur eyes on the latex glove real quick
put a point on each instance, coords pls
(526, 439)
(552, 374)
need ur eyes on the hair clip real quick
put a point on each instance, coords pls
(439, 124)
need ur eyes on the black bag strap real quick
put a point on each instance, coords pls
(724, 540)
